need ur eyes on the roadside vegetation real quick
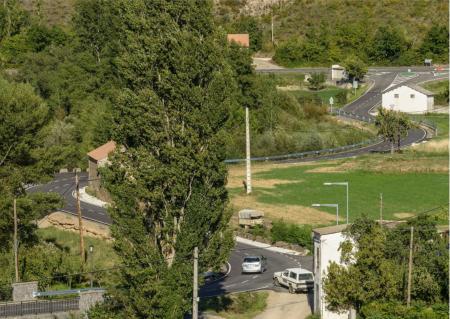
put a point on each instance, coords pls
(244, 305)
(440, 88)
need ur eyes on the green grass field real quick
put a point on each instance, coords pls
(411, 183)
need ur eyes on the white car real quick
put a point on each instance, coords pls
(254, 264)
(296, 279)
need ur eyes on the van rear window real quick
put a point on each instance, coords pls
(305, 277)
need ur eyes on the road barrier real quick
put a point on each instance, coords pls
(306, 154)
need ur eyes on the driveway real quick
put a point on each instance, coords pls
(284, 305)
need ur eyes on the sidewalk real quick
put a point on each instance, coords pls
(85, 197)
(268, 247)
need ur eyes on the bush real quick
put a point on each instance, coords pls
(291, 233)
(396, 310)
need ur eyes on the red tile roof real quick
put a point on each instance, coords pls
(241, 39)
(102, 151)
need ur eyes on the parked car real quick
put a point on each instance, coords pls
(254, 264)
(296, 279)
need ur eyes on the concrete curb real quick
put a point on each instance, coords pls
(85, 197)
(268, 247)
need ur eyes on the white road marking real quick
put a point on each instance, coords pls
(245, 281)
(255, 276)
(228, 286)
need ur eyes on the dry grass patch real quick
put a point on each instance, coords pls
(438, 146)
(236, 173)
(404, 215)
(290, 213)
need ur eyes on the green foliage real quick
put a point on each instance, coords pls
(396, 310)
(316, 81)
(243, 305)
(435, 43)
(376, 265)
(168, 186)
(13, 18)
(355, 68)
(250, 25)
(392, 126)
(309, 33)
(291, 233)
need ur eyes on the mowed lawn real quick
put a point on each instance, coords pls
(403, 193)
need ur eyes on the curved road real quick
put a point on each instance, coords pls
(64, 184)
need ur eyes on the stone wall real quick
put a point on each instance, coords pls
(23, 291)
(89, 299)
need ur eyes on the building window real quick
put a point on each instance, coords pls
(412, 96)
(317, 259)
(396, 96)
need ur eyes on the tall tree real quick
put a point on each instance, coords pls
(435, 43)
(386, 123)
(355, 68)
(167, 180)
(387, 45)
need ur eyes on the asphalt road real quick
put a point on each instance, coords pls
(237, 282)
(64, 184)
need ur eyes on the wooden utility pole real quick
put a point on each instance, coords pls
(408, 300)
(16, 246)
(195, 287)
(247, 151)
(80, 219)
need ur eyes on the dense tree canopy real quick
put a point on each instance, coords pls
(168, 182)
(375, 267)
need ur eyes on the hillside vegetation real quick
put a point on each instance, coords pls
(320, 32)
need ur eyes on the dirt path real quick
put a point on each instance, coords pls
(284, 305)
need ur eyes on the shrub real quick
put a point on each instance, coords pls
(291, 233)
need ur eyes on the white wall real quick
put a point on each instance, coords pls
(421, 103)
(329, 251)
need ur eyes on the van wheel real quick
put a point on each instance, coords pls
(276, 283)
(291, 289)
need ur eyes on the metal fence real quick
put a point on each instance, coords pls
(13, 309)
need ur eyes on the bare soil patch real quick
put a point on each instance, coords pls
(287, 306)
(65, 221)
(290, 213)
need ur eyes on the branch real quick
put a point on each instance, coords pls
(6, 155)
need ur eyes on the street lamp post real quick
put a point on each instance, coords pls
(340, 184)
(91, 250)
(330, 205)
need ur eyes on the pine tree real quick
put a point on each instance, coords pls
(167, 180)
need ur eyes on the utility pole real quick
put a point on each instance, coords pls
(381, 207)
(195, 287)
(16, 246)
(80, 220)
(247, 150)
(408, 300)
(273, 42)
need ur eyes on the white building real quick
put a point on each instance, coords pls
(337, 72)
(326, 249)
(408, 98)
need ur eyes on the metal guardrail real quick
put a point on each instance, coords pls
(36, 307)
(367, 119)
(65, 292)
(305, 154)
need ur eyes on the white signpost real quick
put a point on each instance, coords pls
(355, 85)
(331, 104)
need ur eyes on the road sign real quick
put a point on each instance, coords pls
(331, 100)
(355, 84)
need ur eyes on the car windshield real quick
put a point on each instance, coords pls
(251, 259)
(305, 277)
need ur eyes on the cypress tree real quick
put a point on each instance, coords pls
(167, 179)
